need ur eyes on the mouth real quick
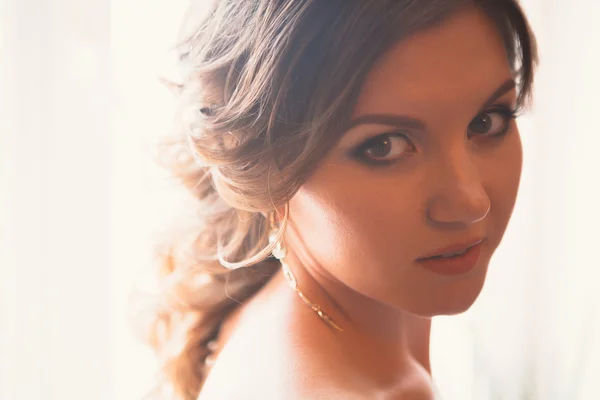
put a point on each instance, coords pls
(451, 251)
(453, 260)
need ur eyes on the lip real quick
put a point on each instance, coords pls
(455, 248)
(457, 265)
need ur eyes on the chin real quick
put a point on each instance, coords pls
(453, 306)
(457, 306)
(459, 301)
(458, 298)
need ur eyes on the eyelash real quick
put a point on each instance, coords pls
(504, 110)
(359, 153)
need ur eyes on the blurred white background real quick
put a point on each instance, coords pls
(80, 201)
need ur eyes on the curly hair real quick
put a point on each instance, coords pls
(269, 87)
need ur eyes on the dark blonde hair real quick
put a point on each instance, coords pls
(269, 87)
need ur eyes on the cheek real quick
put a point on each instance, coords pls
(362, 230)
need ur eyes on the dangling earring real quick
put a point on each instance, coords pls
(279, 252)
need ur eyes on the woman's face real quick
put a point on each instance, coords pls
(433, 160)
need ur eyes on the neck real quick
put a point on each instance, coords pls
(389, 337)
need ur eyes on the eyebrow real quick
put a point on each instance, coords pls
(417, 124)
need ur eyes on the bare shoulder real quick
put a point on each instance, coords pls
(259, 373)
(272, 379)
(270, 354)
(271, 364)
(275, 354)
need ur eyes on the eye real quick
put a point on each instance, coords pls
(384, 149)
(493, 122)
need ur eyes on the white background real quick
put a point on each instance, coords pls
(80, 201)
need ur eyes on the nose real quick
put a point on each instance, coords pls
(459, 197)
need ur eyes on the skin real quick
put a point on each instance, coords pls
(356, 230)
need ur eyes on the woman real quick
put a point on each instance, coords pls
(355, 164)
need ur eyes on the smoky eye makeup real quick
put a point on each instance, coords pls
(494, 122)
(392, 136)
(383, 149)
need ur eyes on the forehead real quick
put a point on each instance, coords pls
(458, 62)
